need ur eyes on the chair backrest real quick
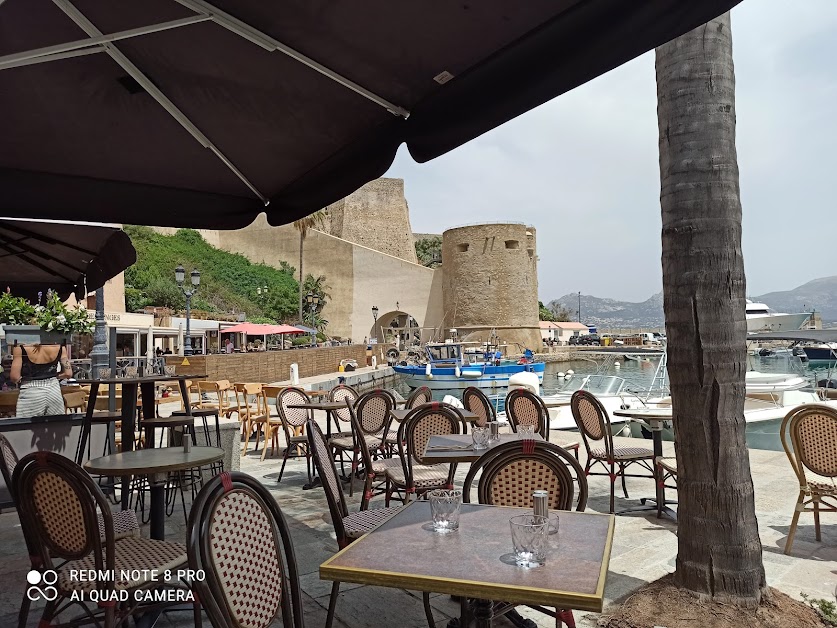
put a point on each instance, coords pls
(238, 536)
(75, 401)
(341, 393)
(57, 502)
(295, 417)
(363, 447)
(523, 407)
(374, 411)
(419, 396)
(433, 419)
(592, 420)
(475, 401)
(324, 462)
(9, 463)
(511, 472)
(812, 432)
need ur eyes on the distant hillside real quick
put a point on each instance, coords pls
(613, 313)
(230, 283)
(819, 294)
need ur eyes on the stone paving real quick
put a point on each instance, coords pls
(644, 549)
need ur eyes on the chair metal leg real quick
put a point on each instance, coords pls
(23, 614)
(428, 612)
(284, 461)
(612, 488)
(332, 603)
(624, 486)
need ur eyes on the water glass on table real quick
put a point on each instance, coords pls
(529, 538)
(444, 508)
(525, 432)
(480, 436)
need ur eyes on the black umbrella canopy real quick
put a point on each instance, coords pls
(69, 258)
(191, 113)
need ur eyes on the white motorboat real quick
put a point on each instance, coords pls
(761, 318)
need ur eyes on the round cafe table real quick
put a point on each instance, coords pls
(154, 463)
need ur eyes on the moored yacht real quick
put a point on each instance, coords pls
(760, 318)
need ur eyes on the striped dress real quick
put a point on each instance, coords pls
(40, 392)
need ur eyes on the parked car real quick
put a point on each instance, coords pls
(589, 339)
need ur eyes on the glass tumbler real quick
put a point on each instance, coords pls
(529, 538)
(480, 436)
(444, 508)
(525, 432)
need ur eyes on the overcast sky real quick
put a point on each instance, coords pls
(583, 169)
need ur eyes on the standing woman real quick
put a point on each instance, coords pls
(37, 369)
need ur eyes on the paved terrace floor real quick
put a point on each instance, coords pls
(644, 549)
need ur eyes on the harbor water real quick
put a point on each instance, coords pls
(639, 376)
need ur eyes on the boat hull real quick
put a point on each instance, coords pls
(445, 378)
(822, 352)
(776, 322)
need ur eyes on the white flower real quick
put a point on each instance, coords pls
(61, 318)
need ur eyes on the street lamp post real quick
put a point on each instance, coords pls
(375, 318)
(313, 301)
(579, 306)
(180, 277)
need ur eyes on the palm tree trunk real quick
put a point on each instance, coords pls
(301, 242)
(719, 550)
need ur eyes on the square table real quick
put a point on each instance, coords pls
(477, 560)
(450, 448)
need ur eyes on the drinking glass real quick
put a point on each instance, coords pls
(131, 371)
(170, 369)
(480, 436)
(529, 538)
(103, 372)
(444, 508)
(525, 432)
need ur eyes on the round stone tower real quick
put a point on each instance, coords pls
(491, 283)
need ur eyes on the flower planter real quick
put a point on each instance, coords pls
(32, 334)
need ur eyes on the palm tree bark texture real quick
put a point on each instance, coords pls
(719, 550)
(312, 221)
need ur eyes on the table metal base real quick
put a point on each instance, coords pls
(650, 503)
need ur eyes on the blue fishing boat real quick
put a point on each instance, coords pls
(448, 366)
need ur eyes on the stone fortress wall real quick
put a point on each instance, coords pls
(490, 283)
(375, 216)
(366, 252)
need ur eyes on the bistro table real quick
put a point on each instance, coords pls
(130, 386)
(156, 464)
(477, 561)
(459, 448)
(329, 407)
(654, 417)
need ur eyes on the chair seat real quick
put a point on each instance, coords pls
(125, 524)
(359, 523)
(669, 464)
(424, 476)
(391, 438)
(347, 442)
(197, 412)
(822, 488)
(133, 553)
(104, 416)
(567, 444)
(624, 453)
(382, 465)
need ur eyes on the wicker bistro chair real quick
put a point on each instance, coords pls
(293, 423)
(124, 521)
(419, 396)
(239, 537)
(373, 411)
(59, 507)
(256, 415)
(594, 425)
(476, 401)
(347, 526)
(509, 475)
(341, 393)
(809, 436)
(412, 477)
(524, 407)
(666, 472)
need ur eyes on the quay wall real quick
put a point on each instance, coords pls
(269, 366)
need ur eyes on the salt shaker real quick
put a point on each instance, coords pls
(494, 427)
(187, 442)
(540, 503)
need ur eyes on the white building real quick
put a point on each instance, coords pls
(562, 331)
